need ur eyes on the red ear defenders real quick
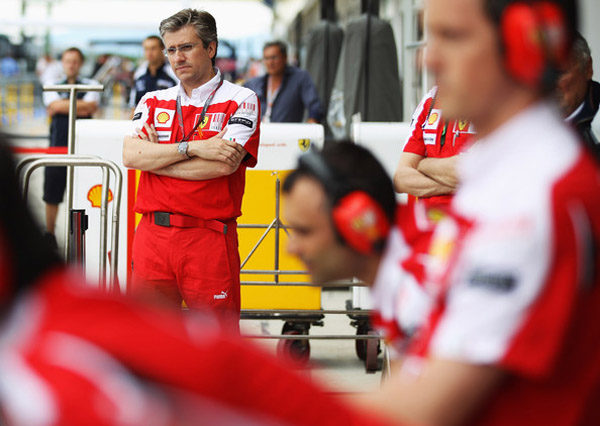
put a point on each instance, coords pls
(535, 41)
(358, 219)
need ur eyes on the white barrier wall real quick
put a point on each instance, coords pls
(386, 141)
(103, 138)
(282, 143)
(280, 146)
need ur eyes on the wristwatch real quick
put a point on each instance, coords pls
(182, 148)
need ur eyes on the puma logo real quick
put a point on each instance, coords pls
(221, 296)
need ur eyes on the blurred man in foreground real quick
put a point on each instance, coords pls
(512, 336)
(579, 95)
(72, 355)
(341, 208)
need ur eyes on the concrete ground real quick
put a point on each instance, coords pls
(332, 362)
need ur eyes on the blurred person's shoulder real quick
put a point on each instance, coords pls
(255, 83)
(516, 169)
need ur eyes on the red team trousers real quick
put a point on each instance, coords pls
(199, 265)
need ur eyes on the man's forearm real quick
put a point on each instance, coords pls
(442, 170)
(196, 169)
(148, 156)
(62, 107)
(85, 108)
(415, 183)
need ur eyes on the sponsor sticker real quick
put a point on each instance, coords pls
(433, 120)
(496, 281)
(304, 144)
(464, 126)
(137, 116)
(247, 110)
(241, 120)
(213, 122)
(164, 136)
(429, 138)
(365, 224)
(163, 117)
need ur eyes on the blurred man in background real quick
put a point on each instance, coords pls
(579, 95)
(427, 167)
(154, 74)
(57, 106)
(285, 92)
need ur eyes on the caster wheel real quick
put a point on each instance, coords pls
(371, 352)
(297, 350)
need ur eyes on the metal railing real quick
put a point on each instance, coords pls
(73, 89)
(29, 164)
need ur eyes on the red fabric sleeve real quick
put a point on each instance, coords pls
(162, 348)
(415, 144)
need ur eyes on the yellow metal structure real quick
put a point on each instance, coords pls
(258, 207)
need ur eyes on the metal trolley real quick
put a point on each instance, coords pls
(294, 340)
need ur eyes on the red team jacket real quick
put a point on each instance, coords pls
(433, 137)
(234, 107)
(515, 271)
(71, 355)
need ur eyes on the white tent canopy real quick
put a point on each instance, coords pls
(235, 18)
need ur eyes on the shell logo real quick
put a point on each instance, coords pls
(433, 118)
(95, 195)
(163, 117)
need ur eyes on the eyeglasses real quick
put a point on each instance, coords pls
(184, 48)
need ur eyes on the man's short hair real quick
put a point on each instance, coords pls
(581, 52)
(157, 38)
(203, 22)
(277, 43)
(76, 50)
(354, 168)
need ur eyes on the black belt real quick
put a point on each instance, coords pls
(182, 221)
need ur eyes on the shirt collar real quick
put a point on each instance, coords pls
(201, 93)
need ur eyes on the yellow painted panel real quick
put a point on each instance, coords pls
(283, 297)
(258, 207)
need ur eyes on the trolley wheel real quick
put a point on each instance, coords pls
(372, 351)
(297, 350)
(361, 345)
